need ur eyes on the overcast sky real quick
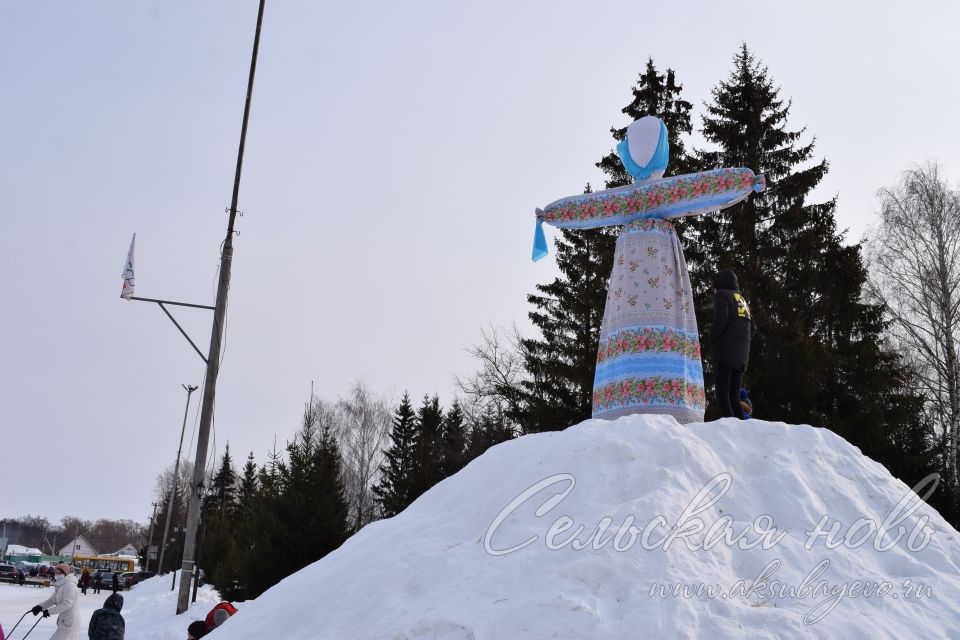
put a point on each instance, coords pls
(395, 156)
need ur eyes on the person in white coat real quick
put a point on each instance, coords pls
(64, 602)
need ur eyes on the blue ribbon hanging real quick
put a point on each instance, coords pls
(539, 240)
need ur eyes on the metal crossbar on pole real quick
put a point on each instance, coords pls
(174, 321)
(179, 304)
(213, 358)
(160, 304)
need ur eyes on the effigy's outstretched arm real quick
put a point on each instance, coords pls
(673, 197)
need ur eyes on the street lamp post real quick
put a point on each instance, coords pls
(176, 473)
(153, 519)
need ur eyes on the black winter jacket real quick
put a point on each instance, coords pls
(107, 623)
(732, 324)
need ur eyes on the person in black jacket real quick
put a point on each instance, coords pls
(84, 581)
(107, 623)
(116, 581)
(732, 329)
(197, 630)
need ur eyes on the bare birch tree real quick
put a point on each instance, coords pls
(913, 256)
(363, 431)
(496, 385)
(164, 482)
(178, 510)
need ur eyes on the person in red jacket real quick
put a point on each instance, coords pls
(219, 614)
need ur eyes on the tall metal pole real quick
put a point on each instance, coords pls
(173, 574)
(153, 518)
(176, 475)
(213, 359)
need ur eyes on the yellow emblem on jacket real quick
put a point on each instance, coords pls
(743, 309)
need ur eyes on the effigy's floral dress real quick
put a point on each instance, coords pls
(649, 355)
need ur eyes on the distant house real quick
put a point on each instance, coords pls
(19, 550)
(19, 553)
(129, 550)
(78, 547)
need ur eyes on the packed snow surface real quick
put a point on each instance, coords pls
(723, 544)
(149, 610)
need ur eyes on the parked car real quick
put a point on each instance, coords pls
(130, 579)
(8, 571)
(143, 575)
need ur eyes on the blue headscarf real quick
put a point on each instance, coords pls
(659, 160)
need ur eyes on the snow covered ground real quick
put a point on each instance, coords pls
(150, 607)
(729, 513)
(15, 600)
(149, 610)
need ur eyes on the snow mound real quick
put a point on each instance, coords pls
(149, 609)
(441, 568)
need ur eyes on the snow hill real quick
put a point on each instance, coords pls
(439, 569)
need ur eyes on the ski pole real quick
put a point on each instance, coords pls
(10, 633)
(32, 628)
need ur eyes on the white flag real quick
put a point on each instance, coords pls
(128, 279)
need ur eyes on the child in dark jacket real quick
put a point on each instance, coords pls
(107, 623)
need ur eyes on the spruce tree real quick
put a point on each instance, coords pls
(311, 504)
(246, 488)
(476, 440)
(298, 514)
(393, 492)
(569, 311)
(774, 241)
(218, 519)
(221, 501)
(331, 498)
(492, 428)
(453, 441)
(818, 356)
(427, 452)
(261, 534)
(233, 564)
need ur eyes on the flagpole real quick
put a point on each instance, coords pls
(213, 359)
